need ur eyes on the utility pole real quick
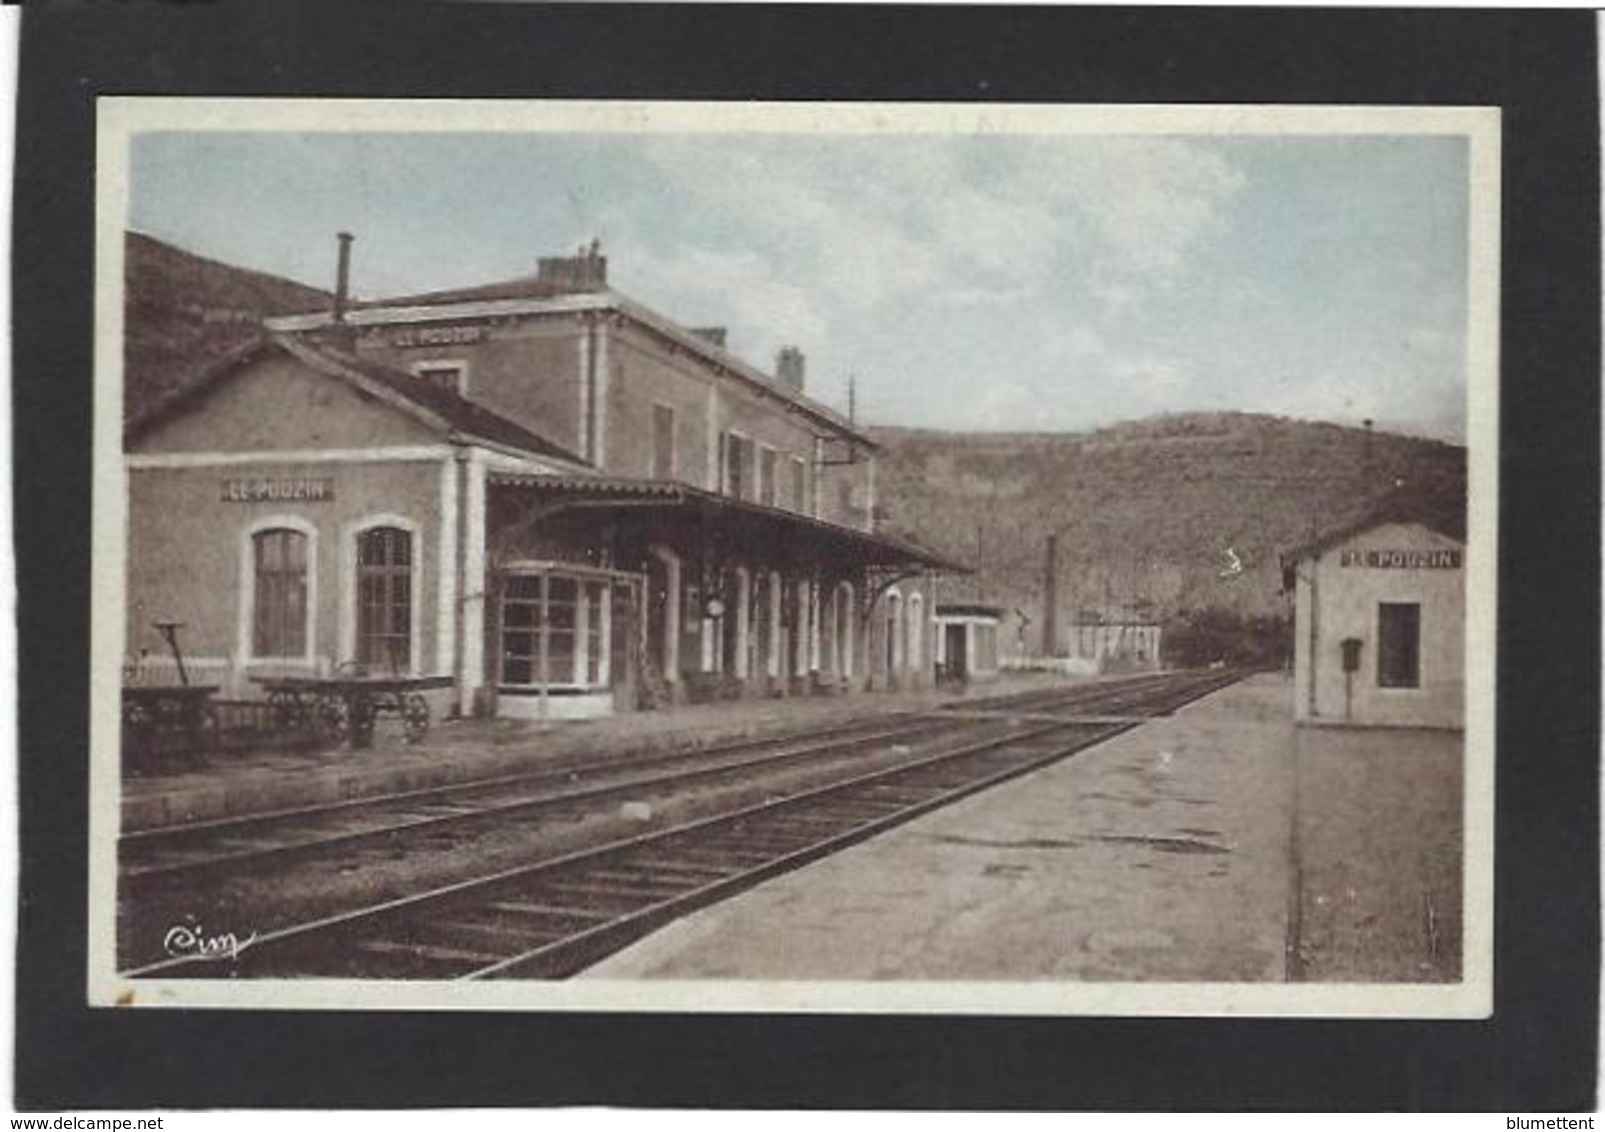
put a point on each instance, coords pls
(1050, 598)
(980, 594)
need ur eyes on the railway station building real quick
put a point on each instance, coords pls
(559, 498)
(1379, 619)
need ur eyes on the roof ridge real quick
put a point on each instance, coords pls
(604, 297)
(445, 410)
(197, 384)
(447, 407)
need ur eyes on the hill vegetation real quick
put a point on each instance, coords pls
(183, 312)
(1166, 517)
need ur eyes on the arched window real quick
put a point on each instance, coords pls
(844, 628)
(279, 609)
(384, 598)
(916, 631)
(894, 633)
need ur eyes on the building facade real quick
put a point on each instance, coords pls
(553, 495)
(1119, 645)
(1379, 624)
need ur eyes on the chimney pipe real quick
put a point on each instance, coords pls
(342, 283)
(585, 270)
(789, 366)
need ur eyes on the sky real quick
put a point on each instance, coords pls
(964, 280)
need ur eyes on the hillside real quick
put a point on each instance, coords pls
(183, 312)
(1147, 511)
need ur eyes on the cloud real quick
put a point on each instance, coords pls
(1433, 343)
(1398, 400)
(735, 289)
(873, 220)
(1146, 204)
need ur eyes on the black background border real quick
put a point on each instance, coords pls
(1538, 1052)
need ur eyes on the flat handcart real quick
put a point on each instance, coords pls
(343, 707)
(155, 716)
(166, 718)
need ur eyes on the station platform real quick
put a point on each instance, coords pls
(1170, 853)
(463, 750)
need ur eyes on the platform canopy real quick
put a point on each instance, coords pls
(716, 518)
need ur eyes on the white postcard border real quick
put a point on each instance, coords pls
(120, 118)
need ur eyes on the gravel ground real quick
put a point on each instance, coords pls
(1379, 851)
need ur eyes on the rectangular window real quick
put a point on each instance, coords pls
(576, 622)
(767, 463)
(596, 615)
(384, 599)
(1399, 645)
(621, 619)
(561, 620)
(738, 452)
(663, 456)
(280, 611)
(799, 485)
(452, 376)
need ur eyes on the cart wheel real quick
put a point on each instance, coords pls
(139, 737)
(136, 716)
(203, 735)
(362, 713)
(415, 717)
(285, 709)
(333, 720)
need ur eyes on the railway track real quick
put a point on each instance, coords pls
(194, 852)
(555, 917)
(191, 853)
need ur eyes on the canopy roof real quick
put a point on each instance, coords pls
(773, 525)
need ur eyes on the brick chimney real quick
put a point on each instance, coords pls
(790, 365)
(585, 270)
(342, 277)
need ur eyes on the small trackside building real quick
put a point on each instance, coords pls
(967, 641)
(1379, 620)
(1097, 644)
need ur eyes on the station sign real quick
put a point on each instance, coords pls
(278, 489)
(1401, 559)
(438, 335)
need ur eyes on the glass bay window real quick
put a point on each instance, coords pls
(558, 630)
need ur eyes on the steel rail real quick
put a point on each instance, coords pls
(568, 955)
(435, 897)
(563, 769)
(405, 823)
(187, 839)
(633, 919)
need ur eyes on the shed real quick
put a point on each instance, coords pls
(1379, 619)
(967, 641)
